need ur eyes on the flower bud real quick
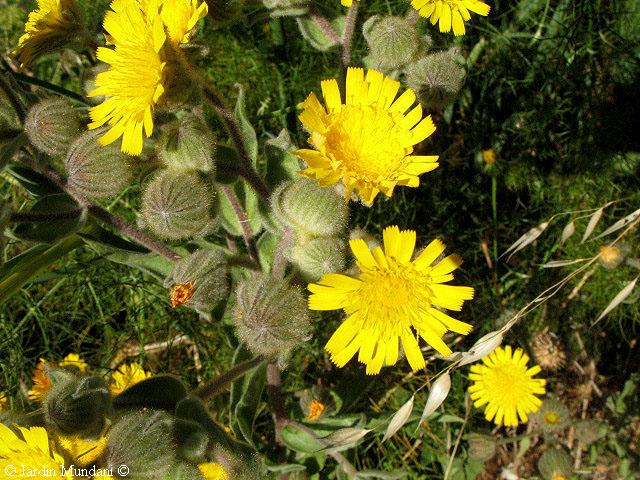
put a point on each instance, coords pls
(590, 431)
(184, 471)
(143, 443)
(309, 209)
(393, 42)
(481, 447)
(271, 316)
(178, 204)
(555, 464)
(96, 171)
(319, 256)
(552, 416)
(76, 406)
(199, 280)
(437, 77)
(187, 145)
(52, 124)
(283, 8)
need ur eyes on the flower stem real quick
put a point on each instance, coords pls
(244, 223)
(347, 38)
(210, 389)
(276, 402)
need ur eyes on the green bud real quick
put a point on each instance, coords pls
(284, 8)
(177, 204)
(143, 443)
(310, 210)
(481, 447)
(240, 466)
(187, 145)
(96, 171)
(393, 42)
(52, 124)
(555, 464)
(319, 256)
(437, 77)
(202, 276)
(590, 431)
(76, 406)
(184, 471)
(271, 316)
(552, 416)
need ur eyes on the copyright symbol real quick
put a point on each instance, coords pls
(123, 471)
(10, 470)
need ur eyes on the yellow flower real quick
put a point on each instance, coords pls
(391, 297)
(489, 156)
(450, 13)
(316, 408)
(31, 451)
(50, 27)
(366, 142)
(139, 65)
(506, 386)
(213, 471)
(346, 3)
(74, 360)
(41, 383)
(181, 293)
(126, 376)
(83, 452)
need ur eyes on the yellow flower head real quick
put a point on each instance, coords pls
(74, 360)
(50, 27)
(137, 76)
(41, 383)
(393, 296)
(212, 471)
(181, 293)
(316, 409)
(366, 142)
(30, 450)
(346, 3)
(450, 13)
(83, 452)
(505, 384)
(126, 376)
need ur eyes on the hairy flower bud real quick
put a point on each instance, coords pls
(590, 431)
(555, 464)
(184, 471)
(143, 443)
(271, 316)
(283, 8)
(393, 42)
(437, 77)
(310, 210)
(96, 171)
(552, 416)
(319, 256)
(481, 447)
(75, 405)
(52, 124)
(178, 204)
(187, 145)
(204, 276)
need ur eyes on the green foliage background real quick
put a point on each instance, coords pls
(552, 88)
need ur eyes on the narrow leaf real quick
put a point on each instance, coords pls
(620, 224)
(399, 419)
(437, 395)
(482, 347)
(525, 240)
(617, 300)
(567, 232)
(249, 136)
(563, 263)
(593, 223)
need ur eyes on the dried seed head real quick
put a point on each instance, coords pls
(52, 125)
(548, 351)
(612, 256)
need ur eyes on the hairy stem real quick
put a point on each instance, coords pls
(243, 220)
(347, 39)
(276, 402)
(214, 387)
(27, 217)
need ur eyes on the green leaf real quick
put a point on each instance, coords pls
(247, 407)
(11, 141)
(249, 136)
(248, 200)
(267, 245)
(51, 229)
(281, 165)
(35, 183)
(313, 34)
(381, 475)
(226, 164)
(299, 440)
(160, 391)
(192, 440)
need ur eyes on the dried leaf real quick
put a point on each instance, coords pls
(525, 240)
(437, 395)
(563, 263)
(617, 300)
(482, 347)
(593, 222)
(568, 230)
(399, 419)
(345, 436)
(620, 224)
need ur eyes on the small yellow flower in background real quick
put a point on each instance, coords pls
(505, 384)
(489, 156)
(450, 13)
(213, 471)
(74, 360)
(181, 293)
(30, 450)
(366, 142)
(126, 376)
(83, 452)
(316, 408)
(393, 296)
(346, 3)
(611, 256)
(41, 383)
(139, 65)
(50, 27)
